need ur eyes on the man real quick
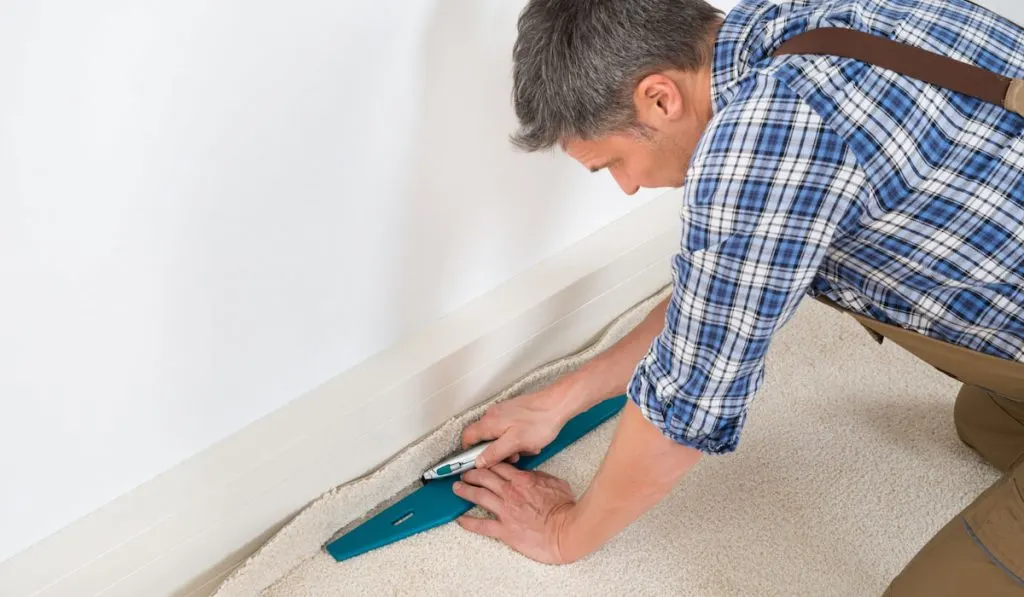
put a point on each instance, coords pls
(804, 175)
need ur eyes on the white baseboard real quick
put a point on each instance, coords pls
(183, 531)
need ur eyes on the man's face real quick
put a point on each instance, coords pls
(673, 109)
(658, 159)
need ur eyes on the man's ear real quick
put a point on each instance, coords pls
(658, 100)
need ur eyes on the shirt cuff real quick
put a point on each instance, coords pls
(685, 420)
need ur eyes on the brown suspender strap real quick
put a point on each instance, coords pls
(911, 61)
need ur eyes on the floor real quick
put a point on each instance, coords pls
(847, 465)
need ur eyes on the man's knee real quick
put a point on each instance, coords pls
(979, 552)
(990, 423)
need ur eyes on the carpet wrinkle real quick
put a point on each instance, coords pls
(848, 464)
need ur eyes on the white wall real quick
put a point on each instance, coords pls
(209, 208)
(1011, 9)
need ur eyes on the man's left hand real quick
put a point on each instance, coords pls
(533, 510)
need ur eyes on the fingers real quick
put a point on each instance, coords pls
(481, 430)
(488, 478)
(472, 434)
(481, 526)
(502, 448)
(480, 496)
(505, 471)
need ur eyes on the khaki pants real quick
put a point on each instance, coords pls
(981, 551)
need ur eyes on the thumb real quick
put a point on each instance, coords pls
(502, 448)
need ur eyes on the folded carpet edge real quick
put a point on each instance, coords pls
(349, 504)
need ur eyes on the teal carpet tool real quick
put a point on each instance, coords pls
(435, 503)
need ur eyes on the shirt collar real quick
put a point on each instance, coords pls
(738, 45)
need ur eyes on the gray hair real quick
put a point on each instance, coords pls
(577, 62)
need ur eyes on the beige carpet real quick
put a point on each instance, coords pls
(848, 464)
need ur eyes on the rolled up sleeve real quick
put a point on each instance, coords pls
(768, 186)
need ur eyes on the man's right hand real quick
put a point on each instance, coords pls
(530, 422)
(525, 424)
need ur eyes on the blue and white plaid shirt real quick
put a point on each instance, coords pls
(826, 176)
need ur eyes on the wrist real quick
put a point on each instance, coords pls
(568, 397)
(571, 543)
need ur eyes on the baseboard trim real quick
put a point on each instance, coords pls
(183, 531)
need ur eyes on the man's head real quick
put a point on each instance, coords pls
(618, 84)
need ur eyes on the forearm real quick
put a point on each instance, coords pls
(608, 374)
(640, 468)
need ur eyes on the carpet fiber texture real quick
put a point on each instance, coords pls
(847, 465)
